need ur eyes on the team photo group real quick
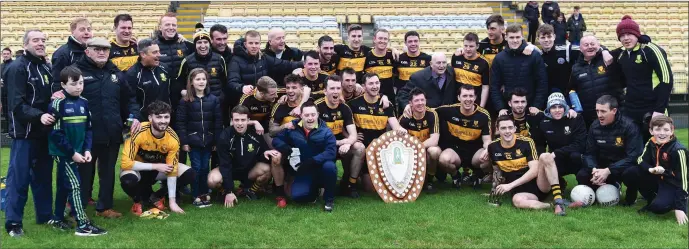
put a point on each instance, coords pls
(218, 120)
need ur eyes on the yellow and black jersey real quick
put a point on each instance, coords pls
(421, 128)
(330, 68)
(409, 65)
(490, 50)
(474, 72)
(280, 114)
(385, 66)
(259, 110)
(337, 118)
(350, 58)
(123, 56)
(369, 117)
(513, 160)
(143, 147)
(461, 131)
(528, 125)
(316, 85)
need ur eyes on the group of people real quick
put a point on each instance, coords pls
(567, 29)
(277, 119)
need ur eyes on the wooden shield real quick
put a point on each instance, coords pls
(397, 167)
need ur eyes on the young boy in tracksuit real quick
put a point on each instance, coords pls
(70, 145)
(664, 171)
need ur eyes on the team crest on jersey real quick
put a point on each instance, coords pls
(389, 62)
(665, 156)
(475, 68)
(567, 131)
(163, 77)
(638, 59)
(113, 78)
(180, 53)
(131, 51)
(339, 113)
(560, 61)
(214, 73)
(601, 69)
(475, 123)
(425, 123)
(81, 108)
(250, 148)
(619, 142)
(519, 152)
(508, 155)
(423, 63)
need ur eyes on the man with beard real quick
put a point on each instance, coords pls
(316, 149)
(338, 117)
(110, 99)
(473, 69)
(466, 133)
(424, 125)
(30, 163)
(173, 50)
(527, 122)
(412, 61)
(148, 77)
(326, 54)
(511, 69)
(123, 52)
(203, 58)
(260, 102)
(381, 62)
(150, 155)
(280, 117)
(73, 50)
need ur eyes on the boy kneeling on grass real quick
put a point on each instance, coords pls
(70, 145)
(664, 175)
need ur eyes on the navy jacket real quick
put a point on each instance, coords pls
(246, 70)
(594, 79)
(672, 156)
(66, 55)
(320, 145)
(615, 146)
(199, 122)
(239, 153)
(150, 84)
(29, 87)
(512, 69)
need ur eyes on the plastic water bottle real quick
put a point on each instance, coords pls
(574, 99)
(128, 125)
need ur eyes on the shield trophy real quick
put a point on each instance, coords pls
(397, 167)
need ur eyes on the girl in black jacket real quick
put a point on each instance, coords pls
(199, 122)
(560, 27)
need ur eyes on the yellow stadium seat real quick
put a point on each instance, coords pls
(353, 19)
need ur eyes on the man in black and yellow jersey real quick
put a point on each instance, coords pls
(516, 161)
(280, 116)
(412, 61)
(327, 56)
(424, 125)
(260, 103)
(465, 136)
(149, 156)
(123, 50)
(526, 121)
(312, 74)
(354, 54)
(338, 117)
(473, 69)
(381, 62)
(370, 118)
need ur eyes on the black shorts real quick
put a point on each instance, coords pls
(465, 155)
(240, 175)
(567, 166)
(285, 165)
(530, 187)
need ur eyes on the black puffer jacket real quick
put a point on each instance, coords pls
(29, 96)
(213, 63)
(512, 69)
(290, 54)
(111, 100)
(199, 122)
(531, 13)
(172, 53)
(246, 70)
(592, 80)
(150, 84)
(560, 29)
(227, 55)
(615, 146)
(66, 55)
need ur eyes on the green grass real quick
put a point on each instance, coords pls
(447, 219)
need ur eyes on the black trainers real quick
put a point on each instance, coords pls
(457, 183)
(202, 201)
(89, 229)
(329, 205)
(429, 188)
(15, 231)
(351, 192)
(60, 225)
(249, 194)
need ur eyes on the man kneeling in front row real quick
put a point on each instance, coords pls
(244, 156)
(516, 159)
(149, 156)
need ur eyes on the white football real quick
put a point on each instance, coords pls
(608, 195)
(583, 194)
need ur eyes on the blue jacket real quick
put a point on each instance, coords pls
(72, 129)
(319, 145)
(199, 122)
(65, 56)
(512, 69)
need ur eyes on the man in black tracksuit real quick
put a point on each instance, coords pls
(647, 73)
(149, 78)
(531, 14)
(663, 171)
(564, 136)
(111, 100)
(558, 59)
(511, 69)
(612, 149)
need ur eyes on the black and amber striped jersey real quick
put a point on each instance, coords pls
(421, 128)
(515, 159)
(330, 68)
(123, 56)
(527, 125)
(351, 58)
(409, 65)
(490, 50)
(461, 131)
(385, 67)
(259, 110)
(474, 72)
(337, 119)
(369, 117)
(316, 85)
(143, 147)
(280, 114)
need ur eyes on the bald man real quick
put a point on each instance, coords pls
(277, 48)
(436, 81)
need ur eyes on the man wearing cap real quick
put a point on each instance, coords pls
(204, 58)
(111, 101)
(564, 135)
(647, 74)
